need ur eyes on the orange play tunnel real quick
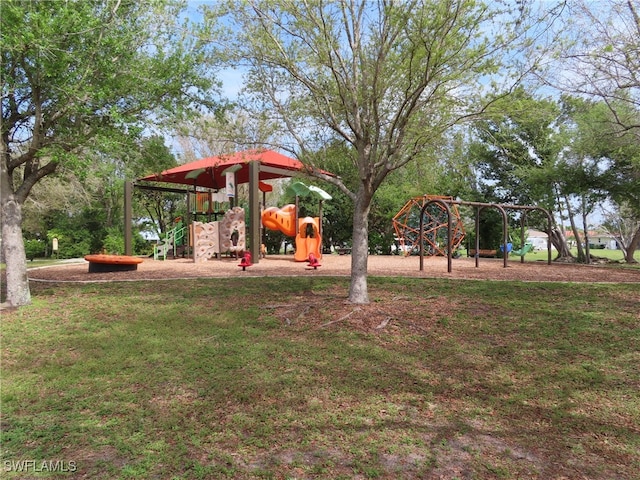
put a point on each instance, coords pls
(282, 219)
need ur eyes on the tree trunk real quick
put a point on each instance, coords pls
(633, 246)
(585, 228)
(558, 241)
(358, 291)
(18, 293)
(558, 238)
(576, 232)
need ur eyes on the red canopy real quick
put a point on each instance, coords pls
(208, 172)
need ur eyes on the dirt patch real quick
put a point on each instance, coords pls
(340, 265)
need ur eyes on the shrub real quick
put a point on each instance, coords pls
(34, 248)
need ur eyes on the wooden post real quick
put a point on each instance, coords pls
(254, 210)
(128, 216)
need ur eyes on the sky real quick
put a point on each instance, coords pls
(231, 79)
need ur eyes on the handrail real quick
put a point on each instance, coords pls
(171, 239)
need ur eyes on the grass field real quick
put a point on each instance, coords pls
(280, 378)
(614, 255)
(541, 255)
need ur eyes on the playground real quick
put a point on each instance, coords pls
(261, 369)
(340, 265)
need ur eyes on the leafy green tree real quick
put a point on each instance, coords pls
(78, 234)
(338, 212)
(624, 224)
(337, 217)
(611, 164)
(581, 175)
(67, 194)
(564, 156)
(603, 66)
(600, 162)
(385, 79)
(79, 77)
(605, 63)
(68, 202)
(34, 248)
(154, 210)
(517, 154)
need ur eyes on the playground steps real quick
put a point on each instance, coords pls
(161, 250)
(173, 240)
(180, 251)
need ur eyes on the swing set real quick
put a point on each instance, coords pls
(448, 203)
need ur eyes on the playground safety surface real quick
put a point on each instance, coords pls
(340, 265)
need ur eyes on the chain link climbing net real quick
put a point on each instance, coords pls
(406, 224)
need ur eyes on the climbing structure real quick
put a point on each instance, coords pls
(227, 235)
(406, 224)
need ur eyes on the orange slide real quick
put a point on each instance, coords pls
(308, 239)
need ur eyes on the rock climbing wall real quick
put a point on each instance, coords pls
(233, 232)
(207, 240)
(227, 235)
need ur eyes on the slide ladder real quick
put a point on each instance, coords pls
(172, 239)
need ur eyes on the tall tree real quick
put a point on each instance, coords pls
(156, 209)
(623, 223)
(614, 155)
(606, 62)
(605, 65)
(564, 156)
(518, 153)
(581, 167)
(388, 79)
(79, 76)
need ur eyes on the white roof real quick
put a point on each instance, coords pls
(536, 233)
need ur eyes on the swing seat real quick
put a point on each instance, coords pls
(524, 250)
(509, 247)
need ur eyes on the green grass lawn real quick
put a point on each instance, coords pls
(280, 378)
(614, 255)
(541, 255)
